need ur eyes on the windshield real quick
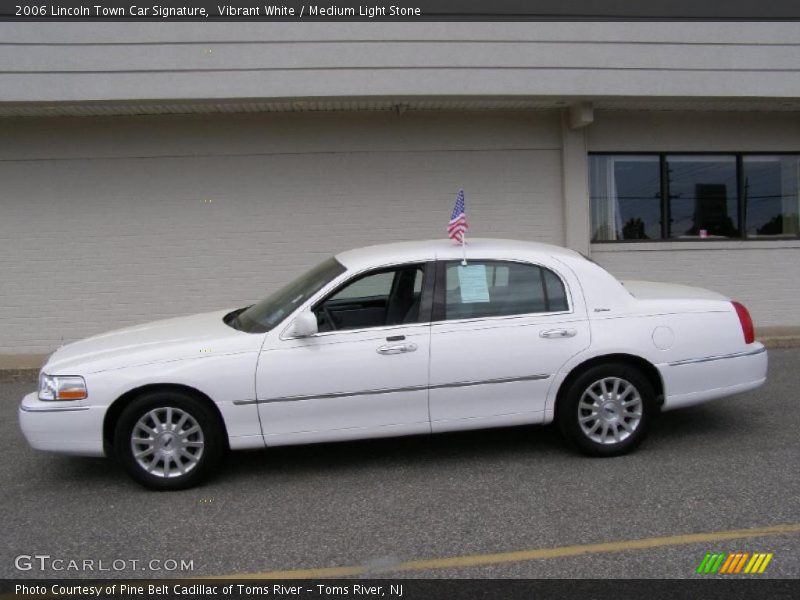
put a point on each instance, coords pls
(264, 315)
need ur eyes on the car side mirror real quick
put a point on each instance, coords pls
(304, 325)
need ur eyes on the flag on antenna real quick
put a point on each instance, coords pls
(457, 227)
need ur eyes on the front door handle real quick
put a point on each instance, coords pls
(396, 348)
(558, 333)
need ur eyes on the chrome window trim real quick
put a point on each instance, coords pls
(503, 318)
(390, 328)
(377, 328)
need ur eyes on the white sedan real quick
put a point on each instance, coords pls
(395, 340)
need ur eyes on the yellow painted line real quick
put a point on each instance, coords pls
(758, 563)
(749, 566)
(477, 560)
(765, 563)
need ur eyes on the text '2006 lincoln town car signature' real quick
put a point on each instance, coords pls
(395, 340)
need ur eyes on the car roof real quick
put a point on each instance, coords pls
(446, 249)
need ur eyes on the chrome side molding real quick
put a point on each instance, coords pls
(376, 392)
(692, 361)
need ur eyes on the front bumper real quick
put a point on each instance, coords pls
(693, 381)
(65, 427)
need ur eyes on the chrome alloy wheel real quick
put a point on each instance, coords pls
(167, 442)
(610, 410)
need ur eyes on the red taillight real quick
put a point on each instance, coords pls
(747, 323)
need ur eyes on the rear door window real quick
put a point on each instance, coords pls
(500, 288)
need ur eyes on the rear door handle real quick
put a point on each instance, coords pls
(558, 333)
(396, 348)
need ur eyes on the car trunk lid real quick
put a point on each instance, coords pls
(652, 290)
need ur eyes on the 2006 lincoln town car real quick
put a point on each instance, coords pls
(395, 340)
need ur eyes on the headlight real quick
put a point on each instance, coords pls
(61, 387)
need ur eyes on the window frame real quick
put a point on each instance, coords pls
(440, 291)
(426, 297)
(741, 222)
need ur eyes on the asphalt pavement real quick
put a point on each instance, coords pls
(727, 465)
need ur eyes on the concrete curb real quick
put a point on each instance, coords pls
(785, 341)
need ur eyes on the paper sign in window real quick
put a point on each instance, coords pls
(472, 280)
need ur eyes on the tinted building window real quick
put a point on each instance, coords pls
(694, 196)
(626, 197)
(771, 195)
(703, 199)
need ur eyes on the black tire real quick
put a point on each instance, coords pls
(206, 444)
(610, 411)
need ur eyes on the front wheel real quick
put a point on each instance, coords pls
(606, 410)
(168, 440)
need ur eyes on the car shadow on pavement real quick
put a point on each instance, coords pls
(684, 429)
(534, 444)
(434, 451)
(297, 461)
(697, 422)
(71, 471)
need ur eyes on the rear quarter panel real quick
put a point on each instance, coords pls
(695, 352)
(662, 332)
(666, 331)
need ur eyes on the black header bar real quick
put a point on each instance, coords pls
(399, 10)
(402, 589)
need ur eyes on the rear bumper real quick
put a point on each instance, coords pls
(696, 380)
(65, 428)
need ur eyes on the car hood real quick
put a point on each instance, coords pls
(653, 290)
(194, 336)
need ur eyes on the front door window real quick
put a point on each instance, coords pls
(376, 299)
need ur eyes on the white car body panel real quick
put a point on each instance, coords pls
(195, 336)
(655, 290)
(77, 430)
(322, 387)
(467, 388)
(198, 351)
(271, 389)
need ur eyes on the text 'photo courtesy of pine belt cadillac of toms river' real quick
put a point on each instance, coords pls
(399, 339)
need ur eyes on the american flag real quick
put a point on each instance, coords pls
(458, 225)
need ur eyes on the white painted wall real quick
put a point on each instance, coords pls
(111, 222)
(49, 62)
(764, 275)
(671, 131)
(764, 278)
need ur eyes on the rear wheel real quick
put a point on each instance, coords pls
(606, 410)
(168, 440)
